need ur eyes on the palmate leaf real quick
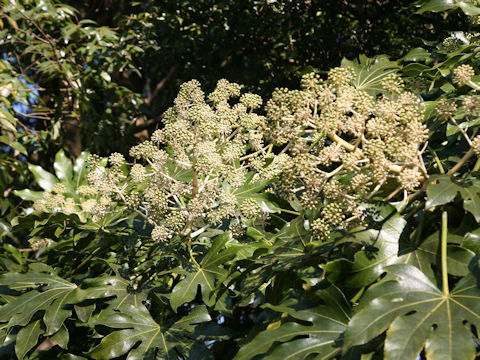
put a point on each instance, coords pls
(284, 251)
(428, 253)
(369, 72)
(327, 314)
(444, 5)
(205, 273)
(417, 315)
(50, 294)
(139, 327)
(45, 292)
(380, 249)
(447, 187)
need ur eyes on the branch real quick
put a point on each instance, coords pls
(161, 85)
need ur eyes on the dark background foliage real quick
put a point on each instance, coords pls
(260, 44)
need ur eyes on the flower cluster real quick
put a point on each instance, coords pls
(343, 145)
(39, 243)
(462, 75)
(87, 201)
(185, 179)
(329, 146)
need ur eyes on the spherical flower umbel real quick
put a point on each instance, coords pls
(161, 233)
(393, 83)
(251, 101)
(340, 76)
(138, 173)
(410, 178)
(451, 44)
(471, 104)
(333, 214)
(445, 108)
(321, 230)
(59, 188)
(116, 159)
(476, 145)
(462, 75)
(250, 208)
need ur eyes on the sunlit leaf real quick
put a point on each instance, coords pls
(369, 72)
(443, 189)
(417, 315)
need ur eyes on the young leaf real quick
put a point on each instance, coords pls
(370, 72)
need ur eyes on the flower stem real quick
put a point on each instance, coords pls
(477, 165)
(462, 162)
(461, 130)
(437, 161)
(474, 85)
(290, 212)
(444, 253)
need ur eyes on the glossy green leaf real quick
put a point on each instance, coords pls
(442, 5)
(106, 286)
(80, 168)
(426, 256)
(381, 249)
(63, 167)
(370, 72)
(28, 194)
(43, 177)
(249, 190)
(471, 241)
(437, 6)
(55, 294)
(204, 274)
(61, 337)
(444, 188)
(138, 326)
(417, 315)
(416, 54)
(84, 312)
(468, 8)
(326, 323)
(27, 338)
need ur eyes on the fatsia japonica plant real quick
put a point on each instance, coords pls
(334, 221)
